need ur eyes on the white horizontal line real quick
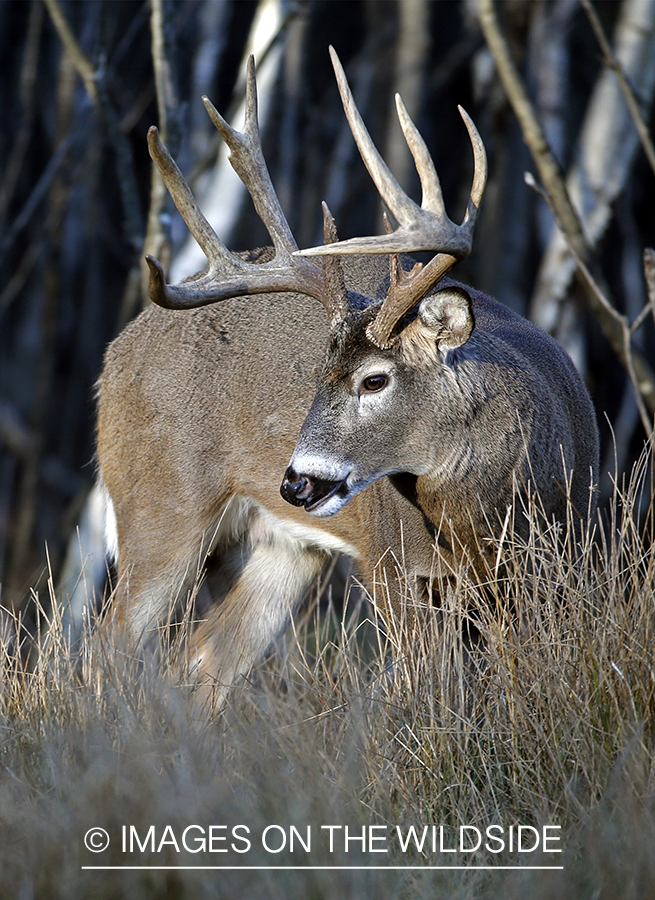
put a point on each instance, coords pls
(311, 868)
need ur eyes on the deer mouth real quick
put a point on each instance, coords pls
(339, 487)
(310, 492)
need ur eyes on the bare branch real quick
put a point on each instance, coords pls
(613, 63)
(156, 242)
(28, 95)
(549, 169)
(606, 312)
(607, 143)
(649, 271)
(14, 434)
(83, 65)
(35, 197)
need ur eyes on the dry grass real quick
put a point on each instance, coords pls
(547, 721)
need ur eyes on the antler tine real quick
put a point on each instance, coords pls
(209, 242)
(409, 288)
(336, 294)
(479, 170)
(420, 228)
(227, 275)
(430, 184)
(403, 208)
(247, 160)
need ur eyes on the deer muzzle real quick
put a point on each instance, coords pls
(309, 491)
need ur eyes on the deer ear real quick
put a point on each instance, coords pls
(448, 316)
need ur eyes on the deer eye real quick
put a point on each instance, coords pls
(373, 383)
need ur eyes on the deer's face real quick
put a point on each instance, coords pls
(375, 412)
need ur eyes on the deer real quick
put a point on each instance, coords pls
(248, 432)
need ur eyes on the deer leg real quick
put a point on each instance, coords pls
(141, 606)
(154, 578)
(276, 573)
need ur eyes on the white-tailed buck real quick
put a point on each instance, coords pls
(433, 406)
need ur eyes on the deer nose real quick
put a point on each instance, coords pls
(295, 488)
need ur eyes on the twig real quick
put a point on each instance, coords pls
(627, 330)
(93, 83)
(613, 63)
(36, 196)
(156, 242)
(18, 278)
(649, 272)
(14, 435)
(164, 69)
(27, 94)
(83, 65)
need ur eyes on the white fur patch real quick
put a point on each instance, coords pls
(323, 467)
(111, 528)
(306, 535)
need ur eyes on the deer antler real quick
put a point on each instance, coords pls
(420, 228)
(226, 275)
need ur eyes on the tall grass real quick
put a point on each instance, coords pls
(547, 720)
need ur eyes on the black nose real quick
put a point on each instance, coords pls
(295, 488)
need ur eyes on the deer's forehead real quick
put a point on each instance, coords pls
(347, 347)
(350, 351)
